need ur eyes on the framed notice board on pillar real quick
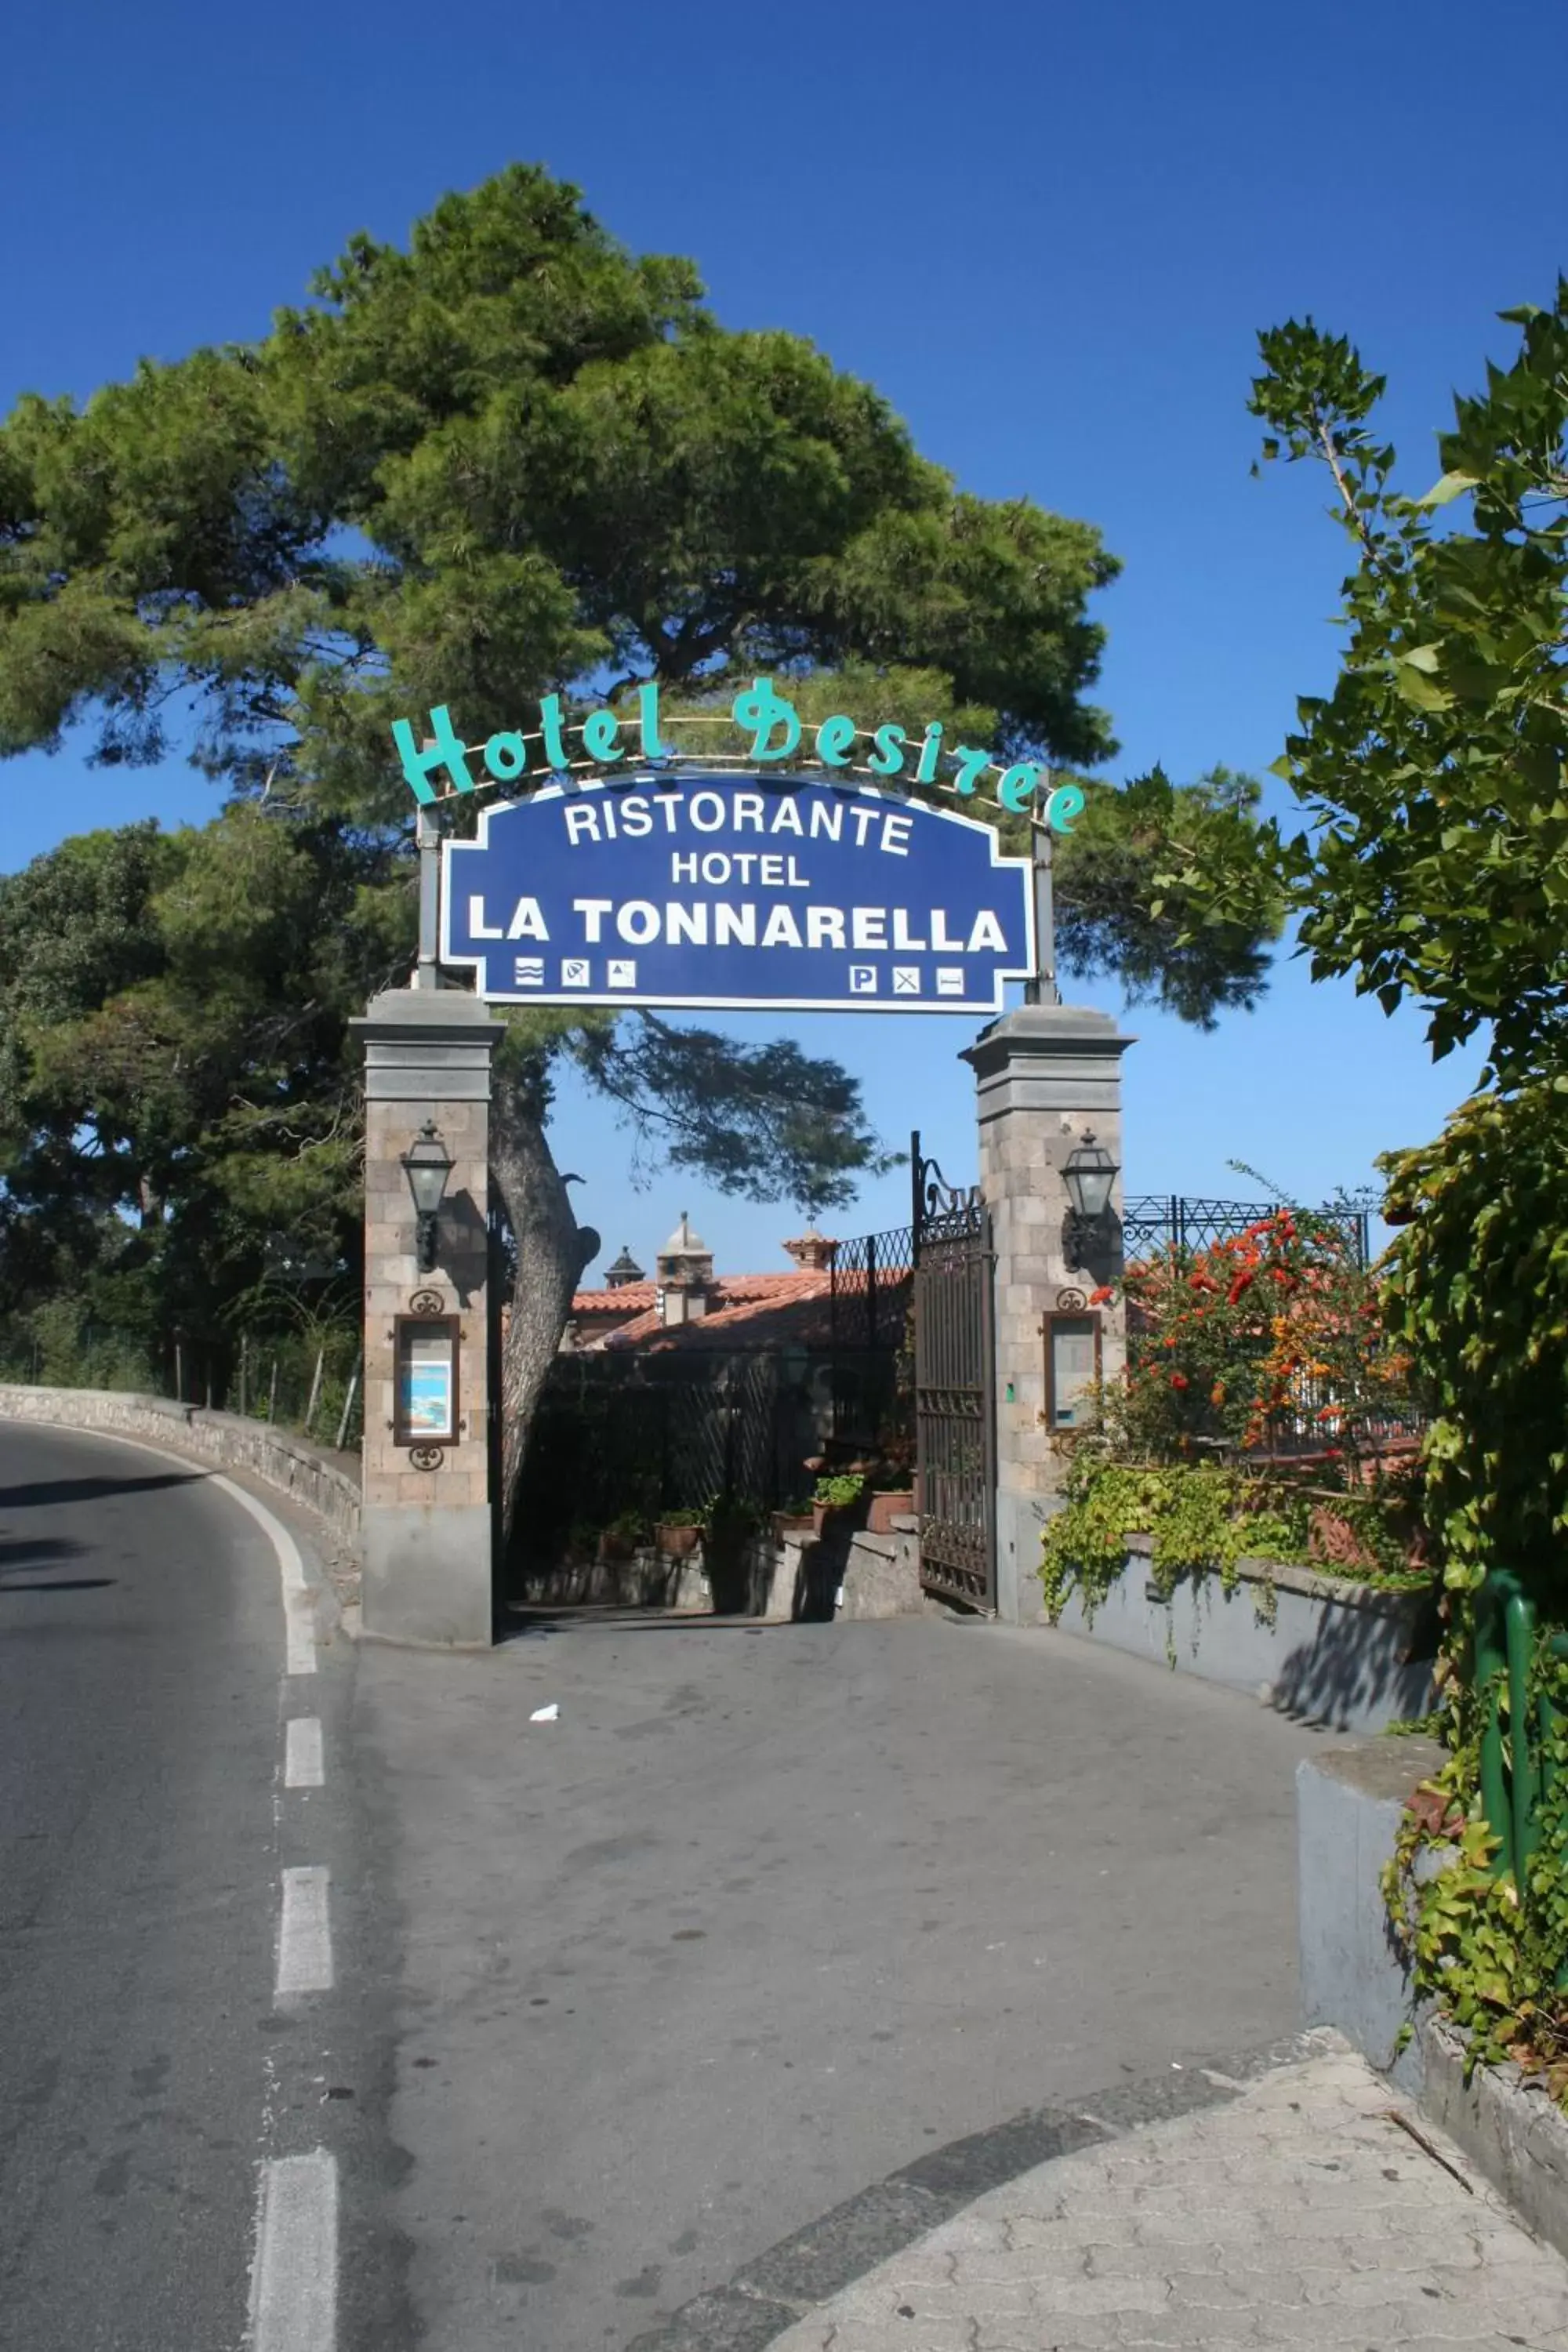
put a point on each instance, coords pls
(1072, 1371)
(424, 1361)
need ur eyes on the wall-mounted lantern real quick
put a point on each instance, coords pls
(1088, 1173)
(427, 1163)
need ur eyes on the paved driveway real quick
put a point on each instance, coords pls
(769, 1913)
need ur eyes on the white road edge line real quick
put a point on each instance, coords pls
(303, 1765)
(299, 1609)
(304, 1933)
(294, 2286)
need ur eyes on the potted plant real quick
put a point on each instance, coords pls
(794, 1518)
(892, 1484)
(834, 1497)
(887, 1503)
(678, 1533)
(620, 1539)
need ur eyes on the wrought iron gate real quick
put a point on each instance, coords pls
(955, 1420)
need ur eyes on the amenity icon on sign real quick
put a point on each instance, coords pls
(863, 980)
(574, 971)
(528, 971)
(622, 974)
(949, 979)
(906, 980)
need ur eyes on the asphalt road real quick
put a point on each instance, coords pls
(615, 2003)
(769, 1914)
(147, 2068)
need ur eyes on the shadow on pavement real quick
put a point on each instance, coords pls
(37, 1551)
(90, 1490)
(56, 1584)
(532, 1624)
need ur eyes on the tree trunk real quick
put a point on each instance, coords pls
(550, 1258)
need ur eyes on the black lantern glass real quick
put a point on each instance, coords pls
(1088, 1173)
(427, 1163)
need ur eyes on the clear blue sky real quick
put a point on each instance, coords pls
(1048, 233)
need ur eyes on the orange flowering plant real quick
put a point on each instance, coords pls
(1269, 1343)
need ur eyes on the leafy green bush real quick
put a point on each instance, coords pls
(1204, 1521)
(1493, 1951)
(1478, 1291)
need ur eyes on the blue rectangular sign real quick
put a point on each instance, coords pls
(780, 893)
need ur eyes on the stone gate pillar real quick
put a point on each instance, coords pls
(1046, 1076)
(426, 1519)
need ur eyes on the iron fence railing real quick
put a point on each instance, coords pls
(1156, 1220)
(621, 1438)
(870, 1306)
(872, 1279)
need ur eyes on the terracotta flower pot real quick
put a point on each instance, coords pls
(788, 1523)
(885, 1508)
(616, 1547)
(679, 1542)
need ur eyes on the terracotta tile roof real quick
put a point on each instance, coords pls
(728, 1290)
(766, 1305)
(632, 1299)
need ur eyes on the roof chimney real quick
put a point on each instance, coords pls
(811, 1251)
(685, 1275)
(624, 1269)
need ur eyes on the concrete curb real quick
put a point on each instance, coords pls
(785, 2286)
(1510, 2128)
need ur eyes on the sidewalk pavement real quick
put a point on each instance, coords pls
(1300, 2212)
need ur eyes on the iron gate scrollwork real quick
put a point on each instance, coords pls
(955, 1419)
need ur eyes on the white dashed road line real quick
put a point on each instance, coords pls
(303, 1767)
(294, 2291)
(304, 1933)
(294, 2284)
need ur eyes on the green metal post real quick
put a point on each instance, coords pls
(1557, 1644)
(1519, 1618)
(1491, 1666)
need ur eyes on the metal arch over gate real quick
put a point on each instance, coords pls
(955, 1415)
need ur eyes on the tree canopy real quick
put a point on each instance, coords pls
(1435, 776)
(511, 459)
(1436, 866)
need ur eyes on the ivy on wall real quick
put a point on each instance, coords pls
(1204, 1521)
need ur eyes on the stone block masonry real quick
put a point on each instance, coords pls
(1045, 1076)
(427, 1533)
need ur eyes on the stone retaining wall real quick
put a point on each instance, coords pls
(842, 1574)
(1350, 1656)
(647, 1581)
(1349, 1803)
(326, 1484)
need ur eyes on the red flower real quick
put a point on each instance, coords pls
(1098, 1297)
(1178, 1380)
(1243, 1282)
